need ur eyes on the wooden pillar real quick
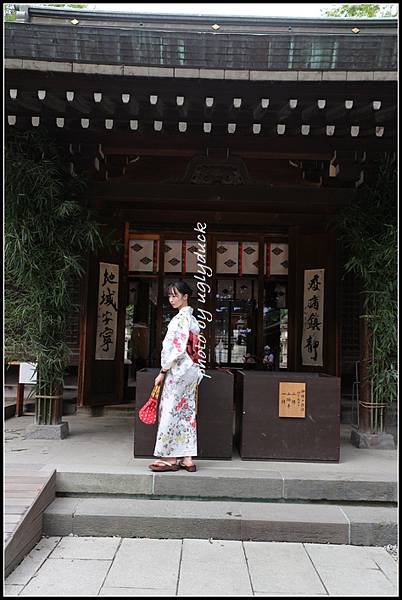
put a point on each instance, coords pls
(19, 409)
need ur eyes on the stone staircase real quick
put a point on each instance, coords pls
(237, 504)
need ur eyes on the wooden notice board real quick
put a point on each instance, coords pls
(292, 399)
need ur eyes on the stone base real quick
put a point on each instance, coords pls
(90, 411)
(379, 441)
(47, 432)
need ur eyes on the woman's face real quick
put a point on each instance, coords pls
(176, 299)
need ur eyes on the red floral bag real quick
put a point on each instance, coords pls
(147, 414)
(193, 346)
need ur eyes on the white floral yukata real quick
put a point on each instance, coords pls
(177, 428)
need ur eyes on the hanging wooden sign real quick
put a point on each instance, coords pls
(106, 331)
(313, 321)
(292, 399)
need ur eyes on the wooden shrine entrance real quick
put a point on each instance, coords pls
(264, 141)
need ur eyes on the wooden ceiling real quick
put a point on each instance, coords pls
(332, 131)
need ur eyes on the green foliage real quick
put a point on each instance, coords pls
(369, 231)
(361, 10)
(10, 14)
(48, 234)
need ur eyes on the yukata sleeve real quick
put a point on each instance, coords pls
(175, 342)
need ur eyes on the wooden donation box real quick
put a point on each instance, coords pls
(289, 416)
(214, 418)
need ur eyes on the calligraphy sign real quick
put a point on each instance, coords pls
(313, 321)
(292, 399)
(106, 331)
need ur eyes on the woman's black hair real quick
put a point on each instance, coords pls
(181, 286)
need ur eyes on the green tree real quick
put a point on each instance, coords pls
(48, 234)
(369, 11)
(369, 231)
(9, 10)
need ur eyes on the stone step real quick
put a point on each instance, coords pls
(215, 482)
(177, 519)
(112, 410)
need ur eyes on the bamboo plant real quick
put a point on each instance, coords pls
(48, 234)
(369, 231)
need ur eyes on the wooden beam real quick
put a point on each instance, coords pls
(248, 90)
(264, 194)
(278, 220)
(287, 110)
(77, 103)
(281, 143)
(260, 110)
(55, 103)
(103, 103)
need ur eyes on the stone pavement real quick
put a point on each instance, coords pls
(108, 442)
(113, 566)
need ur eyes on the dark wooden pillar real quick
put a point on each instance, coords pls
(101, 382)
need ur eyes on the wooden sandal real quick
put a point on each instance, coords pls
(165, 466)
(191, 468)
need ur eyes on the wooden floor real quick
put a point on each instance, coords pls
(26, 495)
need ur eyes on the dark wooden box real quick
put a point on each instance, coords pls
(214, 418)
(265, 435)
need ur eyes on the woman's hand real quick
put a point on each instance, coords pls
(159, 379)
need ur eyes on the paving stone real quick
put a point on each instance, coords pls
(353, 563)
(384, 561)
(339, 556)
(216, 567)
(12, 590)
(64, 577)
(31, 563)
(115, 591)
(99, 548)
(356, 582)
(282, 569)
(146, 563)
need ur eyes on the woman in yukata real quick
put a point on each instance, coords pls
(180, 375)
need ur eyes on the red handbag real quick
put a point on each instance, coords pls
(192, 347)
(147, 414)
